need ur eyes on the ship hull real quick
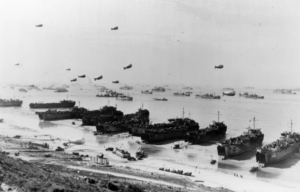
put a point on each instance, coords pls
(161, 137)
(200, 139)
(105, 128)
(56, 116)
(229, 150)
(271, 157)
(11, 104)
(51, 105)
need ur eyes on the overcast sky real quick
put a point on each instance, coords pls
(167, 41)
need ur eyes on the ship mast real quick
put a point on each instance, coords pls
(218, 116)
(253, 122)
(291, 126)
(183, 113)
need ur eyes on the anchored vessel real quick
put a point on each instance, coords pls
(251, 96)
(61, 104)
(124, 98)
(158, 99)
(187, 94)
(159, 89)
(126, 87)
(284, 91)
(52, 115)
(208, 96)
(10, 103)
(280, 149)
(146, 92)
(229, 93)
(217, 129)
(61, 90)
(246, 142)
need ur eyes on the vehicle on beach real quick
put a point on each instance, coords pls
(208, 96)
(10, 103)
(248, 141)
(279, 150)
(61, 104)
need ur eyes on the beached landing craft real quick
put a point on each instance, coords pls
(61, 104)
(246, 142)
(279, 150)
(214, 131)
(10, 103)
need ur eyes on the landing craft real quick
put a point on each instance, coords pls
(115, 81)
(73, 80)
(40, 25)
(128, 67)
(82, 76)
(17, 64)
(219, 67)
(68, 69)
(98, 78)
(229, 93)
(115, 28)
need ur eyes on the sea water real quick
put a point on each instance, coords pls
(272, 114)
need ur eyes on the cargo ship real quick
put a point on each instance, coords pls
(61, 104)
(279, 150)
(214, 131)
(208, 96)
(248, 141)
(10, 103)
(159, 89)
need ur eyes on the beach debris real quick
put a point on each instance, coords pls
(73, 80)
(98, 78)
(127, 67)
(115, 28)
(39, 25)
(219, 67)
(81, 76)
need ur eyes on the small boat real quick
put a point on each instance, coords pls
(1, 120)
(124, 98)
(163, 99)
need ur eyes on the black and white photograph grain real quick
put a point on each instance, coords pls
(149, 96)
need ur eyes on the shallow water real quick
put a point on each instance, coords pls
(273, 115)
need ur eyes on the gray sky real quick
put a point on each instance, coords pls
(178, 41)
